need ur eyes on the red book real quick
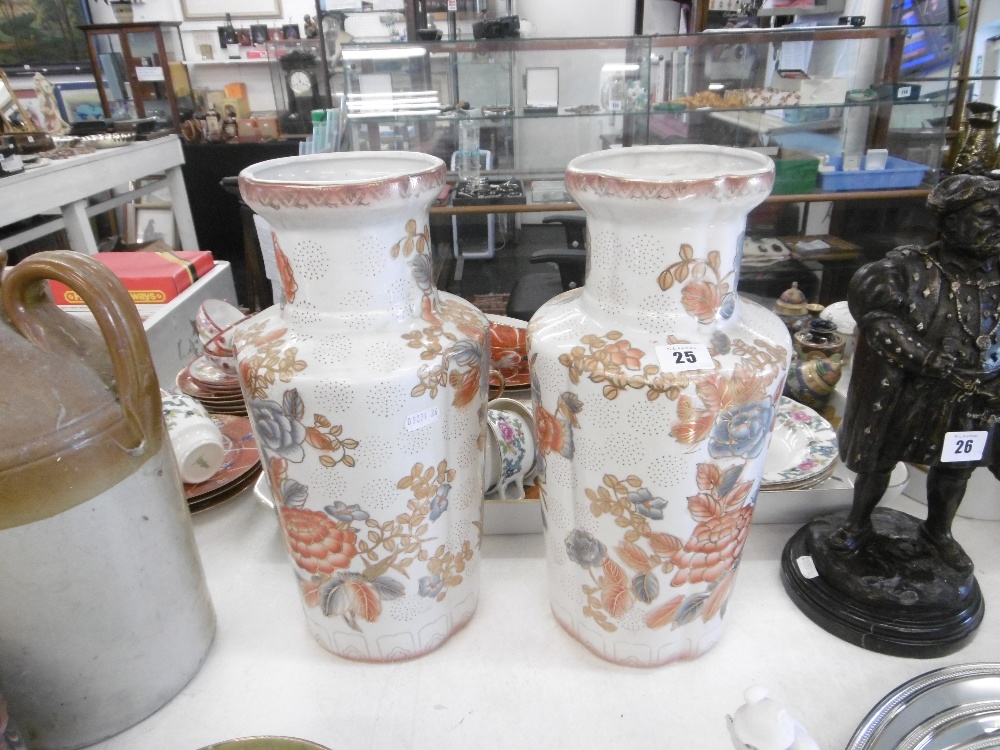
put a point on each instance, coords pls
(150, 277)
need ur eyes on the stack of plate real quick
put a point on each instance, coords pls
(217, 390)
(803, 449)
(240, 466)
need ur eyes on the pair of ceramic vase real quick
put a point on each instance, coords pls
(654, 391)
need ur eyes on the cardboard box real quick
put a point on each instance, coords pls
(811, 90)
(236, 90)
(150, 277)
(795, 172)
(253, 129)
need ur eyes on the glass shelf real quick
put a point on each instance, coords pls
(605, 92)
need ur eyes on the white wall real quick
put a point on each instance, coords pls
(215, 75)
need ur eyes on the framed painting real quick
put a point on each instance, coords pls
(197, 10)
(43, 33)
(154, 222)
(79, 101)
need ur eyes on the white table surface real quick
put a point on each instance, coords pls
(66, 185)
(512, 678)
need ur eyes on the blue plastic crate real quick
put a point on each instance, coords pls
(898, 173)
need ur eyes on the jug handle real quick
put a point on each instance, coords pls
(25, 294)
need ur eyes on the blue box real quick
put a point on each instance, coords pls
(898, 173)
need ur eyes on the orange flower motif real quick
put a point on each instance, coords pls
(550, 432)
(285, 270)
(713, 548)
(701, 299)
(624, 355)
(315, 541)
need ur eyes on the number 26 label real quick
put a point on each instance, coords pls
(682, 357)
(963, 446)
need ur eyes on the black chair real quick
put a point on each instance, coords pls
(533, 290)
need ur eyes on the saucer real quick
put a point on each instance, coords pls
(241, 457)
(803, 447)
(205, 371)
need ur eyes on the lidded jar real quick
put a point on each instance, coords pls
(654, 392)
(366, 389)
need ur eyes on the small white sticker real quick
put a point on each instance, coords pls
(963, 446)
(615, 105)
(681, 357)
(903, 92)
(423, 418)
(807, 567)
(452, 4)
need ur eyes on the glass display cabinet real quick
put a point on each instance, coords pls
(140, 71)
(829, 94)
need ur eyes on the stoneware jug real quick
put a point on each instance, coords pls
(367, 393)
(105, 614)
(655, 390)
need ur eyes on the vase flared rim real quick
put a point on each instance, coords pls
(340, 179)
(671, 172)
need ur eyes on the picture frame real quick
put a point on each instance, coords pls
(197, 10)
(154, 221)
(79, 101)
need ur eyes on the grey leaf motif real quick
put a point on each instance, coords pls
(292, 404)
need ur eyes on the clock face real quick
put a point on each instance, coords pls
(299, 82)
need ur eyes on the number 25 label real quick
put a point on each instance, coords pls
(681, 357)
(963, 446)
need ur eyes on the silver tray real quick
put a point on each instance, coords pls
(954, 708)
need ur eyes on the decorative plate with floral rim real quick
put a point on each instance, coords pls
(803, 445)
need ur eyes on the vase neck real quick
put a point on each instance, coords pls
(672, 270)
(369, 273)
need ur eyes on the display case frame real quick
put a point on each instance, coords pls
(139, 69)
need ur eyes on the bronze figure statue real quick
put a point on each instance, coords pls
(925, 389)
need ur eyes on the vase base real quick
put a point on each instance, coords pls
(911, 631)
(387, 651)
(650, 662)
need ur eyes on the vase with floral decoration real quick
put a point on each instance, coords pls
(655, 389)
(367, 392)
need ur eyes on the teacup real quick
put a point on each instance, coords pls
(198, 444)
(220, 352)
(510, 450)
(215, 316)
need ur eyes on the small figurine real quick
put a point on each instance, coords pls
(925, 389)
(763, 724)
(52, 121)
(311, 27)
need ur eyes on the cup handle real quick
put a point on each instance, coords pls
(494, 373)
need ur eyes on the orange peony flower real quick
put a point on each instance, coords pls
(550, 433)
(315, 541)
(713, 547)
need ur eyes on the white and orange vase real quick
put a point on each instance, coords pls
(655, 389)
(367, 392)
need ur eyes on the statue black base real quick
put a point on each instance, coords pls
(894, 594)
